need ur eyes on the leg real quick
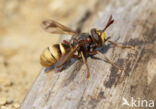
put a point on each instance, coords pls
(92, 52)
(109, 61)
(84, 61)
(121, 46)
(65, 58)
(75, 56)
(107, 38)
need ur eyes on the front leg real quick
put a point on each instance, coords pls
(108, 60)
(85, 63)
(121, 46)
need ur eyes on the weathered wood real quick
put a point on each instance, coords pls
(135, 24)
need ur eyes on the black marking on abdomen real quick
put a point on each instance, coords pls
(51, 54)
(66, 47)
(57, 46)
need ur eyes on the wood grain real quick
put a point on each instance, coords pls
(135, 24)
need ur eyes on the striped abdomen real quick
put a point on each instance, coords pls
(53, 53)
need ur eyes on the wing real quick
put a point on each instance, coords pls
(57, 28)
(64, 59)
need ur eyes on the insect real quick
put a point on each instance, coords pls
(80, 45)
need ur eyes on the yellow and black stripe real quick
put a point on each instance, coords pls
(98, 37)
(53, 53)
(101, 37)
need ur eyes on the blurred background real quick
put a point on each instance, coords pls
(22, 40)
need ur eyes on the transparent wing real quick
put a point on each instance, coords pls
(64, 59)
(57, 28)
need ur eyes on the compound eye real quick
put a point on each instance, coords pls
(95, 34)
